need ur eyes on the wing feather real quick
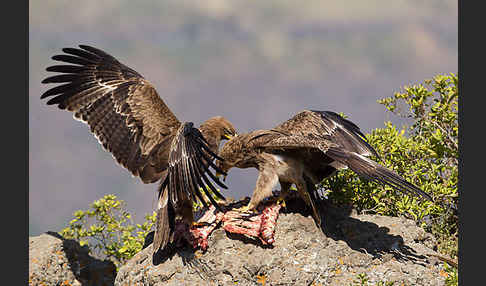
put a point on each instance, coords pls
(329, 125)
(346, 133)
(374, 171)
(123, 110)
(73, 60)
(82, 54)
(188, 168)
(194, 175)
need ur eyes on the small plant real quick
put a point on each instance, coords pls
(362, 279)
(108, 230)
(452, 278)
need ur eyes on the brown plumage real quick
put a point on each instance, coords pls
(303, 151)
(130, 120)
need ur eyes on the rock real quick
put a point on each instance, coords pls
(387, 249)
(54, 260)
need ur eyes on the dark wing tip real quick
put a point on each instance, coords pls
(96, 51)
(86, 47)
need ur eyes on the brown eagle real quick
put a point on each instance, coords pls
(303, 151)
(131, 121)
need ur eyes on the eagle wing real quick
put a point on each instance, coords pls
(129, 119)
(339, 139)
(189, 161)
(330, 126)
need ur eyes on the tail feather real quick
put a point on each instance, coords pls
(165, 223)
(374, 171)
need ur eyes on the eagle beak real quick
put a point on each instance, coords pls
(228, 136)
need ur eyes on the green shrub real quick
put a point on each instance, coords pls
(424, 153)
(452, 275)
(108, 230)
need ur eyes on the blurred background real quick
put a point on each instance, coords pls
(255, 62)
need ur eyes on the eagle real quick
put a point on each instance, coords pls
(302, 151)
(131, 121)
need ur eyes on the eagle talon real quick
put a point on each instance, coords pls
(196, 224)
(280, 200)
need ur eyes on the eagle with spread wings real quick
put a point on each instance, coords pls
(304, 150)
(130, 120)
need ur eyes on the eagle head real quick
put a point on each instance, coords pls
(220, 127)
(234, 154)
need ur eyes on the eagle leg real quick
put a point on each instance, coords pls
(283, 194)
(267, 179)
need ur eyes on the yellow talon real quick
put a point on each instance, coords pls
(196, 224)
(281, 201)
(244, 209)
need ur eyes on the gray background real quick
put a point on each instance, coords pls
(255, 62)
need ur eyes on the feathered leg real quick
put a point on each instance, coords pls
(284, 192)
(266, 181)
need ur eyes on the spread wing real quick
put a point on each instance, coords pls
(129, 119)
(189, 161)
(123, 110)
(339, 139)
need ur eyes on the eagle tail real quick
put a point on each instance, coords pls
(165, 222)
(374, 171)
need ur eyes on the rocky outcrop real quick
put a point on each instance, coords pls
(54, 260)
(385, 249)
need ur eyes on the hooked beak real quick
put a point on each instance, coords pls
(228, 136)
